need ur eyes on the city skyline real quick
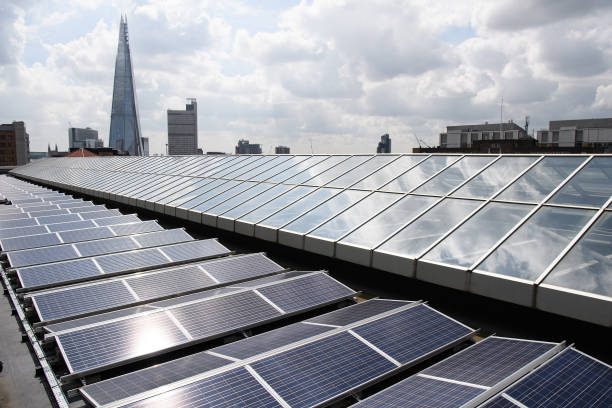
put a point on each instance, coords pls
(310, 72)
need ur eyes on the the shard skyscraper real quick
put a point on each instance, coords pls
(125, 125)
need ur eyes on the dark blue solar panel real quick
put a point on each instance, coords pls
(136, 227)
(131, 260)
(244, 267)
(421, 392)
(500, 402)
(41, 255)
(106, 246)
(166, 237)
(100, 214)
(86, 234)
(236, 388)
(490, 361)
(54, 219)
(120, 219)
(31, 241)
(305, 292)
(81, 300)
(50, 274)
(27, 222)
(133, 383)
(194, 250)
(413, 333)
(318, 371)
(570, 380)
(22, 231)
(357, 312)
(98, 346)
(65, 226)
(270, 340)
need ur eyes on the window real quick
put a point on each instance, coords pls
(486, 135)
(508, 135)
(555, 137)
(443, 140)
(544, 136)
(495, 135)
(464, 139)
(474, 137)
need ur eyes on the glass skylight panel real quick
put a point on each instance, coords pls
(319, 214)
(354, 216)
(179, 191)
(337, 171)
(424, 231)
(188, 195)
(360, 172)
(278, 168)
(308, 172)
(417, 175)
(456, 174)
(240, 198)
(388, 221)
(225, 195)
(531, 248)
(495, 177)
(389, 172)
(250, 163)
(269, 164)
(256, 201)
(540, 180)
(299, 207)
(216, 170)
(591, 187)
(177, 185)
(474, 238)
(588, 265)
(280, 202)
(215, 189)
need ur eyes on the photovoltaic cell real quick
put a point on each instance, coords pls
(489, 361)
(54, 219)
(318, 371)
(194, 250)
(49, 274)
(31, 241)
(87, 299)
(239, 268)
(142, 258)
(150, 378)
(427, 329)
(97, 318)
(358, 312)
(570, 380)
(172, 236)
(305, 292)
(66, 226)
(120, 219)
(176, 281)
(136, 227)
(106, 246)
(422, 392)
(38, 256)
(86, 234)
(22, 231)
(267, 341)
(100, 214)
(235, 388)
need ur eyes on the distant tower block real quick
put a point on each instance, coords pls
(282, 150)
(125, 125)
(183, 129)
(384, 146)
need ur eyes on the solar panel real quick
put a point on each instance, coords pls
(194, 250)
(305, 292)
(100, 214)
(47, 213)
(166, 237)
(27, 222)
(137, 227)
(268, 341)
(205, 316)
(106, 246)
(235, 388)
(22, 231)
(45, 275)
(240, 268)
(97, 318)
(569, 380)
(131, 260)
(422, 392)
(319, 371)
(16, 216)
(66, 226)
(39, 256)
(30, 241)
(426, 328)
(150, 378)
(86, 234)
(121, 219)
(360, 311)
(54, 219)
(175, 281)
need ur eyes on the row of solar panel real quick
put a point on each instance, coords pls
(526, 244)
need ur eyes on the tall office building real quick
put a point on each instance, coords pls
(83, 138)
(183, 129)
(384, 146)
(14, 144)
(244, 147)
(125, 125)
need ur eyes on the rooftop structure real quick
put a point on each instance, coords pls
(579, 134)
(79, 138)
(14, 144)
(123, 303)
(244, 147)
(125, 124)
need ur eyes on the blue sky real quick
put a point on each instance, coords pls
(335, 73)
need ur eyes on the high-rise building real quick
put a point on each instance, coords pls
(14, 144)
(282, 150)
(83, 138)
(244, 147)
(183, 129)
(384, 146)
(579, 133)
(125, 125)
(145, 146)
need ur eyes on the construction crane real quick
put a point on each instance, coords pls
(420, 141)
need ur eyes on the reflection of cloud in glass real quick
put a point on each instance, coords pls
(420, 173)
(389, 172)
(358, 173)
(531, 248)
(276, 204)
(456, 174)
(592, 186)
(588, 266)
(474, 238)
(299, 207)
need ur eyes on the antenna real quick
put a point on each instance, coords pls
(501, 117)
(527, 125)
(311, 149)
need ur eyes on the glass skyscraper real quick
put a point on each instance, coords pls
(125, 125)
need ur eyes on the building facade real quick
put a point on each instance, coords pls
(282, 150)
(384, 146)
(14, 144)
(244, 147)
(125, 124)
(463, 136)
(183, 129)
(79, 138)
(581, 133)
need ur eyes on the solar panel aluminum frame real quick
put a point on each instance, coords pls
(41, 323)
(129, 271)
(590, 307)
(327, 334)
(74, 375)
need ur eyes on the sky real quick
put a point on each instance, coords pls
(317, 76)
